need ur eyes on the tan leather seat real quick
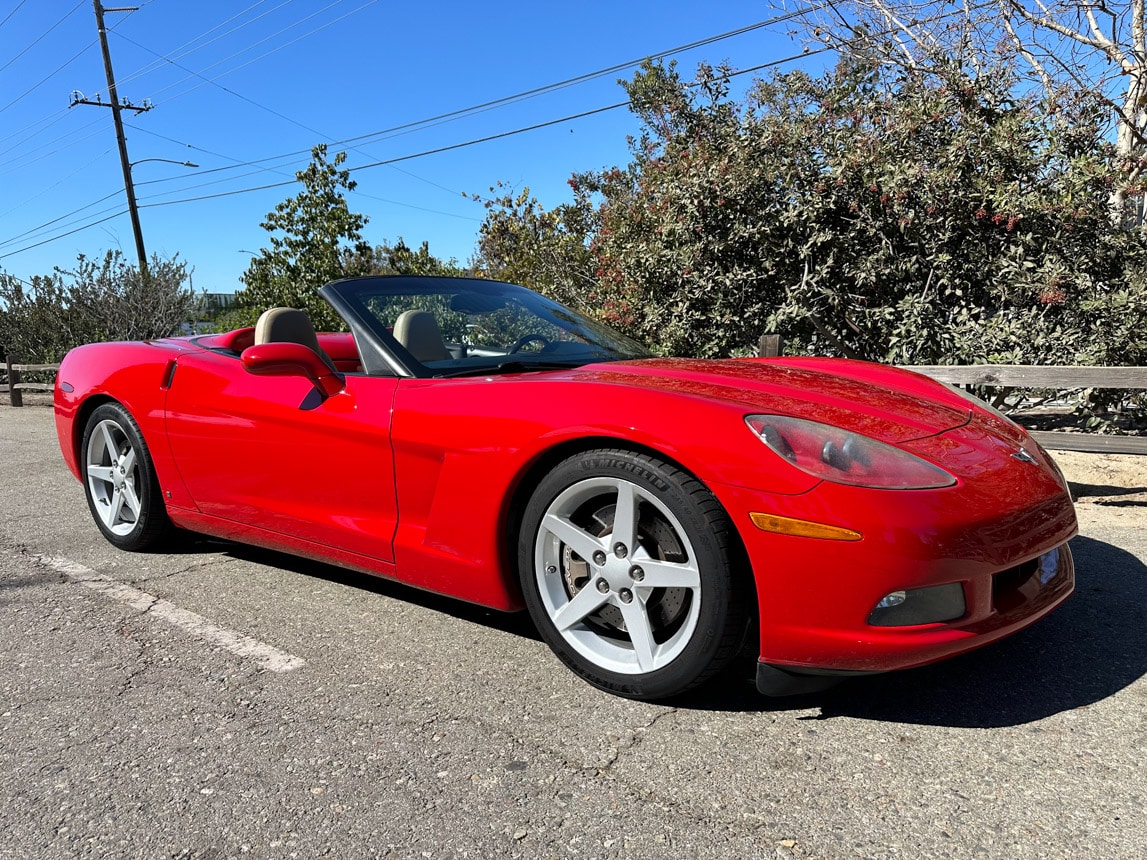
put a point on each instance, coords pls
(418, 331)
(289, 325)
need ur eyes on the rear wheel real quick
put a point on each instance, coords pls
(120, 482)
(625, 564)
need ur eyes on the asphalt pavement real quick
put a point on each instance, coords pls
(218, 701)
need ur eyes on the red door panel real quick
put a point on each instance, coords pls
(268, 452)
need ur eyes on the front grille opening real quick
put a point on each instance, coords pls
(1013, 587)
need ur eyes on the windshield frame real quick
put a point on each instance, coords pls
(383, 355)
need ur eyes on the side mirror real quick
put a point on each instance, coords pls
(292, 359)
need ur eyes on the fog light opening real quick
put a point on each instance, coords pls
(893, 599)
(908, 607)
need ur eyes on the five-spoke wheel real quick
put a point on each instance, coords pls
(122, 490)
(625, 566)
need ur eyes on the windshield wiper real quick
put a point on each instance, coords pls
(514, 366)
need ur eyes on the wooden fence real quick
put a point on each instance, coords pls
(1038, 376)
(1003, 376)
(16, 388)
(1033, 376)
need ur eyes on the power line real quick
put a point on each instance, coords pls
(231, 92)
(617, 67)
(356, 193)
(426, 123)
(83, 223)
(423, 123)
(397, 159)
(434, 120)
(155, 65)
(284, 183)
(23, 281)
(570, 118)
(289, 180)
(38, 231)
(13, 12)
(267, 39)
(475, 141)
(64, 235)
(56, 184)
(49, 76)
(43, 152)
(60, 114)
(238, 163)
(276, 113)
(55, 117)
(41, 36)
(494, 103)
(440, 118)
(74, 131)
(459, 113)
(568, 82)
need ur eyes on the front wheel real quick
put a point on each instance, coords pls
(626, 567)
(120, 482)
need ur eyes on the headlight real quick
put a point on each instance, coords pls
(845, 458)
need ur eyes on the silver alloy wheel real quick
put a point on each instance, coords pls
(628, 575)
(114, 478)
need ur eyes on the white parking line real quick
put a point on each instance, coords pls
(267, 656)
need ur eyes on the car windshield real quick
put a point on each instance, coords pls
(462, 326)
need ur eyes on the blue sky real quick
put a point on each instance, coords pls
(247, 81)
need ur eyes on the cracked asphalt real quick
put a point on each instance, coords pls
(422, 727)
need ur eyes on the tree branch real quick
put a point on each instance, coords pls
(1100, 43)
(1025, 52)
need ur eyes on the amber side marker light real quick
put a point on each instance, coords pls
(801, 528)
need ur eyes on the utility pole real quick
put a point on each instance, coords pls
(116, 106)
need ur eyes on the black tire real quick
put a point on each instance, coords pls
(677, 587)
(119, 481)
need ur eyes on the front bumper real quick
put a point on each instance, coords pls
(1001, 533)
(1019, 596)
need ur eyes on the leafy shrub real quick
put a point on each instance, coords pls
(93, 302)
(923, 220)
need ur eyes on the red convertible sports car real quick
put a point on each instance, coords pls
(475, 439)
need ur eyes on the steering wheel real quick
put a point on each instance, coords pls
(529, 338)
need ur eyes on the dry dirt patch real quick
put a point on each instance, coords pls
(1105, 479)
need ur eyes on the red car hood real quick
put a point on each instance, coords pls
(878, 401)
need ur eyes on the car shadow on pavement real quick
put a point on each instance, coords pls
(516, 623)
(1105, 492)
(1085, 651)
(1088, 649)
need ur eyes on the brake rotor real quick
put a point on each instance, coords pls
(665, 606)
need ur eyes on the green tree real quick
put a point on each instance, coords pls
(929, 218)
(401, 259)
(1064, 49)
(314, 239)
(93, 302)
(523, 243)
